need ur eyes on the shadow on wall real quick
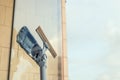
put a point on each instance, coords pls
(59, 68)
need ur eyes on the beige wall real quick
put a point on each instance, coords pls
(5, 30)
(32, 71)
(64, 43)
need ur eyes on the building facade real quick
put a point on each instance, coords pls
(15, 64)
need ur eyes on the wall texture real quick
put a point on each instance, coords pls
(64, 44)
(6, 7)
(26, 70)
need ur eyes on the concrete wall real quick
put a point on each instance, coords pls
(22, 66)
